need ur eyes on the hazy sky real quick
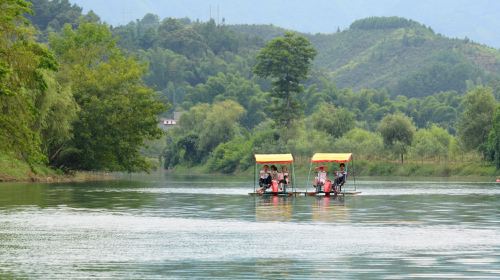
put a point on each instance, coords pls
(477, 19)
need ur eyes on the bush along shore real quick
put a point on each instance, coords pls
(377, 168)
(14, 170)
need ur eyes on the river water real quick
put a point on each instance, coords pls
(165, 226)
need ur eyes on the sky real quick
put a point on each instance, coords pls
(478, 20)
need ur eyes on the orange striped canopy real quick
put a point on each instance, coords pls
(273, 158)
(332, 157)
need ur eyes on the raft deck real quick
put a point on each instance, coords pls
(304, 193)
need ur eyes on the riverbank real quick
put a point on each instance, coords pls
(15, 170)
(51, 177)
(380, 168)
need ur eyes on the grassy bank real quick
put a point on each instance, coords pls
(15, 170)
(424, 169)
(12, 169)
(381, 168)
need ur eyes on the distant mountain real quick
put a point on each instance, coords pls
(403, 56)
(398, 54)
(478, 20)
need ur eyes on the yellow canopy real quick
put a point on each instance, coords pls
(273, 158)
(332, 157)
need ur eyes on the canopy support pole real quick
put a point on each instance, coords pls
(254, 177)
(353, 174)
(293, 179)
(308, 176)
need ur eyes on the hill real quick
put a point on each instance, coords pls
(400, 55)
(477, 20)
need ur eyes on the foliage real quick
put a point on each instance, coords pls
(220, 125)
(231, 87)
(364, 144)
(117, 112)
(166, 66)
(231, 156)
(447, 71)
(57, 111)
(382, 23)
(397, 131)
(476, 120)
(493, 147)
(384, 168)
(51, 15)
(286, 60)
(432, 143)
(99, 109)
(141, 34)
(54, 14)
(201, 130)
(25, 67)
(307, 141)
(334, 121)
(404, 57)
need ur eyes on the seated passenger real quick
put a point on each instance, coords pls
(274, 172)
(320, 178)
(340, 177)
(274, 178)
(283, 177)
(264, 179)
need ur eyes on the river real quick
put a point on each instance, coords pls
(165, 226)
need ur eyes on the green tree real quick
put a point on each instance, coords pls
(117, 111)
(57, 111)
(25, 67)
(230, 156)
(165, 66)
(494, 139)
(54, 14)
(181, 39)
(305, 141)
(221, 124)
(334, 121)
(432, 143)
(202, 129)
(233, 87)
(219, 38)
(363, 143)
(286, 60)
(397, 131)
(476, 120)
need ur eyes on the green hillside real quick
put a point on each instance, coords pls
(398, 54)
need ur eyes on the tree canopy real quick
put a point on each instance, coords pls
(117, 111)
(26, 70)
(476, 120)
(397, 131)
(287, 61)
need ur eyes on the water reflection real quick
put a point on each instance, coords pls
(330, 209)
(274, 208)
(76, 195)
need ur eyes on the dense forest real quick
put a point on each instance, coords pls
(78, 94)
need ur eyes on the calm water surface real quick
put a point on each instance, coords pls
(161, 227)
